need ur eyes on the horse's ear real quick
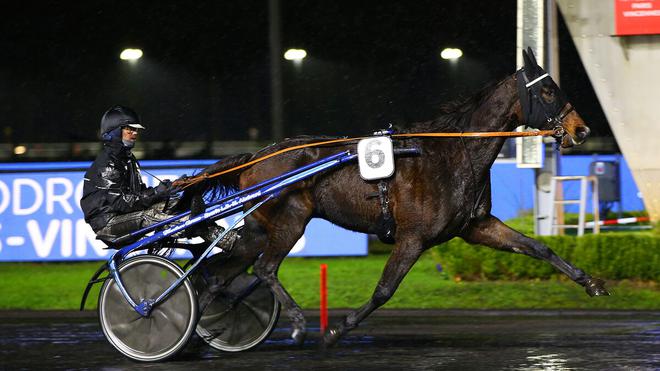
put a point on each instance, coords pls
(529, 67)
(532, 59)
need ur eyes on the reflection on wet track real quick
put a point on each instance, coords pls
(466, 340)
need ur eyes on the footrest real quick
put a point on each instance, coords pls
(107, 239)
(113, 241)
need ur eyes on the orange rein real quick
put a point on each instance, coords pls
(486, 134)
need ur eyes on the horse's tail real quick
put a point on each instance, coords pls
(229, 179)
(215, 187)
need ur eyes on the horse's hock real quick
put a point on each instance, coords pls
(624, 74)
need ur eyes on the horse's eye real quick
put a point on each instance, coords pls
(548, 95)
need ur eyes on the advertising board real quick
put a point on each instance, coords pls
(41, 220)
(637, 17)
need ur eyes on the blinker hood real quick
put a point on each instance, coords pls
(537, 112)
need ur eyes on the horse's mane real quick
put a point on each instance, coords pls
(292, 142)
(455, 115)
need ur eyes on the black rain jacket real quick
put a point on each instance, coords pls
(113, 186)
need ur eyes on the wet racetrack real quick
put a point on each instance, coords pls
(466, 340)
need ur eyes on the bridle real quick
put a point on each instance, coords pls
(557, 120)
(553, 116)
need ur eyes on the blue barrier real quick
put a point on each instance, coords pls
(513, 188)
(41, 220)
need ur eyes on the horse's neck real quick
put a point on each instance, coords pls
(495, 111)
(495, 114)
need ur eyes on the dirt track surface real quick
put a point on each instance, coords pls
(416, 339)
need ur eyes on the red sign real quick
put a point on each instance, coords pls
(637, 17)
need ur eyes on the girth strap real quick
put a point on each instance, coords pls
(386, 226)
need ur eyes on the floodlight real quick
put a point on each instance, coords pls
(131, 54)
(295, 54)
(451, 53)
(20, 150)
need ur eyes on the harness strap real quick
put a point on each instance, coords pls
(387, 227)
(184, 183)
(383, 197)
(385, 223)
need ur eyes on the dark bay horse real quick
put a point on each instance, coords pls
(441, 194)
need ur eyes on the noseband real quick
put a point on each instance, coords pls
(557, 121)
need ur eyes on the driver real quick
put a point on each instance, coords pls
(115, 201)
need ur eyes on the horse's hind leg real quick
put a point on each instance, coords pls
(403, 257)
(221, 270)
(283, 229)
(266, 268)
(491, 232)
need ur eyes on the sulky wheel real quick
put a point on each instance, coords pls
(241, 317)
(170, 324)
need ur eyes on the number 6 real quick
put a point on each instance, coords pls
(375, 158)
(372, 154)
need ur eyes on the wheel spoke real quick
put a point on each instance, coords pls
(258, 313)
(243, 325)
(170, 324)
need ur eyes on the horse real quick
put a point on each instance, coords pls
(439, 195)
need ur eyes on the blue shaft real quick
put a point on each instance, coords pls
(174, 218)
(230, 206)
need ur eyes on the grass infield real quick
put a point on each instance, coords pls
(351, 281)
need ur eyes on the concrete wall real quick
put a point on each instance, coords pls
(625, 73)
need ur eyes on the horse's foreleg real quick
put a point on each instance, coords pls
(403, 256)
(492, 232)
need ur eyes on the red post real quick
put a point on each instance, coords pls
(324, 298)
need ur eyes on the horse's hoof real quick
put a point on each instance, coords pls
(596, 287)
(331, 337)
(298, 336)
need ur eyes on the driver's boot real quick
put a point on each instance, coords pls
(213, 231)
(209, 231)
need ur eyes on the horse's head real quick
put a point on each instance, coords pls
(544, 106)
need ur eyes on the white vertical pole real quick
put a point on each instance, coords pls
(531, 32)
(595, 204)
(583, 205)
(553, 198)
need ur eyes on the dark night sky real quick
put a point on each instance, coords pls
(205, 72)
